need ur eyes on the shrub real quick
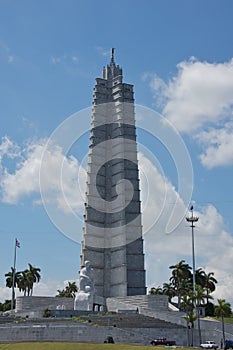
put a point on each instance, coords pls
(47, 313)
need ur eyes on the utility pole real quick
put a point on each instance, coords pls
(192, 219)
(17, 245)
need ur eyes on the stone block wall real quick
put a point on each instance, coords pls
(32, 303)
(154, 302)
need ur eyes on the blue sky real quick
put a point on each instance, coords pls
(178, 54)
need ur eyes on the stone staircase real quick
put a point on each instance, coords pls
(124, 320)
(9, 319)
(149, 305)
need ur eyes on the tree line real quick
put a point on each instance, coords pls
(23, 280)
(180, 285)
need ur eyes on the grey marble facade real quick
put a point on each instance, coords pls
(112, 232)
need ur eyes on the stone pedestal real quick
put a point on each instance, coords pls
(83, 301)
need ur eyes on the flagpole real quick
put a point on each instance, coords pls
(13, 280)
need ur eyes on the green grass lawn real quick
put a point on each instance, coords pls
(70, 346)
(226, 319)
(75, 346)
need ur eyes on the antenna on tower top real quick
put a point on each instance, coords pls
(112, 58)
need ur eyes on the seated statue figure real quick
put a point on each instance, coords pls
(84, 297)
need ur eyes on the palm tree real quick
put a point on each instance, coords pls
(168, 290)
(23, 283)
(61, 293)
(187, 306)
(200, 277)
(33, 277)
(223, 309)
(186, 303)
(10, 276)
(180, 279)
(191, 318)
(199, 300)
(156, 291)
(210, 284)
(71, 289)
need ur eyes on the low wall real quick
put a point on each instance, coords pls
(153, 302)
(41, 303)
(68, 332)
(36, 305)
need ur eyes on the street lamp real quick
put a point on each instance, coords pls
(192, 219)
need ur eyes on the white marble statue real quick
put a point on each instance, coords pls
(86, 290)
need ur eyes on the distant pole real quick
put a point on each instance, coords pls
(13, 279)
(192, 219)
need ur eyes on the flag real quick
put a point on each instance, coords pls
(17, 243)
(191, 208)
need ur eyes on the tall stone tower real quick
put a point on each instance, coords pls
(112, 232)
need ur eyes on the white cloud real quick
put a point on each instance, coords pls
(9, 148)
(5, 294)
(5, 53)
(201, 92)
(24, 180)
(57, 59)
(102, 51)
(218, 146)
(64, 59)
(200, 96)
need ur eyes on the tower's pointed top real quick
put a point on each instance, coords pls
(112, 58)
(112, 70)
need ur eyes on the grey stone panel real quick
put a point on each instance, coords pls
(94, 215)
(133, 208)
(129, 174)
(41, 303)
(135, 260)
(118, 257)
(135, 247)
(96, 258)
(136, 291)
(118, 275)
(128, 133)
(136, 278)
(119, 290)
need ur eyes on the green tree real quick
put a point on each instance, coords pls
(61, 293)
(210, 285)
(33, 276)
(47, 313)
(9, 278)
(186, 303)
(156, 291)
(168, 290)
(6, 306)
(191, 318)
(69, 291)
(199, 298)
(223, 309)
(200, 277)
(23, 283)
(181, 279)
